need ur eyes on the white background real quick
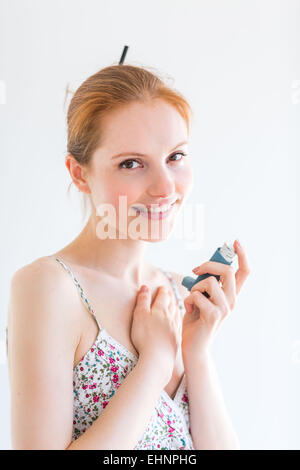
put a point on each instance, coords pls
(237, 62)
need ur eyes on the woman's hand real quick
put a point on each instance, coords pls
(204, 315)
(156, 329)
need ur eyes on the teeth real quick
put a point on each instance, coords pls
(155, 210)
(160, 209)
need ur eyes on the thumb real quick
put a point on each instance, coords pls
(143, 298)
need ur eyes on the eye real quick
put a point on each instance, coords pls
(136, 161)
(125, 162)
(179, 153)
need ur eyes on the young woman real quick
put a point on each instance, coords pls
(95, 362)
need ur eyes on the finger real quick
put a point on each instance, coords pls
(170, 307)
(177, 320)
(244, 269)
(211, 267)
(161, 300)
(216, 293)
(227, 275)
(208, 311)
(144, 298)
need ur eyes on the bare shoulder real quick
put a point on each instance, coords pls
(178, 279)
(42, 291)
(42, 339)
(43, 278)
(44, 268)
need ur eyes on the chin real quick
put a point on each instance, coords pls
(160, 234)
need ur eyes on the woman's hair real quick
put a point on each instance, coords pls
(108, 89)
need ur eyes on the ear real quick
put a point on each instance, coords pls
(77, 173)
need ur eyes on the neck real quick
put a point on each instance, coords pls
(122, 259)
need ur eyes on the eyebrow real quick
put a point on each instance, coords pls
(136, 154)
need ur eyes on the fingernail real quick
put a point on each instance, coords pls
(195, 270)
(238, 243)
(144, 288)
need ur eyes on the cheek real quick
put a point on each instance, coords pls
(130, 193)
(108, 187)
(185, 180)
(122, 193)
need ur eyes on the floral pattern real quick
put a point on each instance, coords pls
(100, 373)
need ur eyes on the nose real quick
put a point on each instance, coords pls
(162, 184)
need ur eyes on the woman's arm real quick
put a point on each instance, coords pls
(42, 339)
(124, 420)
(210, 424)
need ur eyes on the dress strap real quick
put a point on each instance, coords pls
(91, 310)
(81, 292)
(175, 290)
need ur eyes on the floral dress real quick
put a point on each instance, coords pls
(101, 372)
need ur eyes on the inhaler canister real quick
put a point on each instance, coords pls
(224, 254)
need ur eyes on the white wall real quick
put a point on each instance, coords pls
(238, 64)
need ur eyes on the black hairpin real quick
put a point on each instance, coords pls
(123, 55)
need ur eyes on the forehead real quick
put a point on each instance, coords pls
(143, 127)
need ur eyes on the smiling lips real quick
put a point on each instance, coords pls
(157, 212)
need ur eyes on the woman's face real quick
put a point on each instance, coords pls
(160, 174)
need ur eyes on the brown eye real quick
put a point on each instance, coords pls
(178, 153)
(130, 167)
(125, 162)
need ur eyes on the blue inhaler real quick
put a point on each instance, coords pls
(224, 254)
